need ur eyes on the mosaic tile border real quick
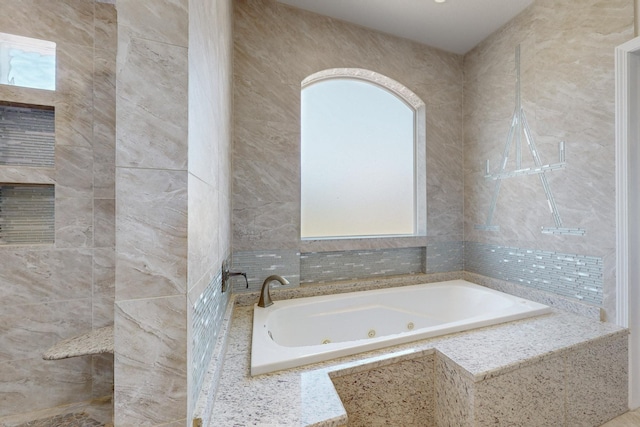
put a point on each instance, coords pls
(258, 265)
(574, 276)
(445, 257)
(320, 267)
(208, 313)
(578, 277)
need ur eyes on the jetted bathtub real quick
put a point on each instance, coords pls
(299, 331)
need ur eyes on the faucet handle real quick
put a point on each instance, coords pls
(226, 275)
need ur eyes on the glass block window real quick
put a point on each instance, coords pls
(27, 135)
(27, 214)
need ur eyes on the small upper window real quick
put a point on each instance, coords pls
(27, 62)
(362, 161)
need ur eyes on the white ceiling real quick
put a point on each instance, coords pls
(455, 26)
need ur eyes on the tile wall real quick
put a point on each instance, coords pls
(173, 189)
(566, 54)
(275, 48)
(567, 90)
(53, 291)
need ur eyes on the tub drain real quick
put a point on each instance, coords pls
(372, 333)
(410, 325)
(326, 341)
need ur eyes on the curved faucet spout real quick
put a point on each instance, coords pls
(265, 296)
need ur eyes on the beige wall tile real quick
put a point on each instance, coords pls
(152, 104)
(106, 26)
(568, 95)
(104, 231)
(104, 123)
(150, 361)
(69, 21)
(28, 330)
(151, 221)
(148, 19)
(47, 289)
(102, 374)
(32, 384)
(74, 172)
(203, 245)
(74, 218)
(74, 95)
(275, 48)
(38, 276)
(104, 270)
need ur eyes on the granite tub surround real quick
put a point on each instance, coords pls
(310, 290)
(401, 392)
(51, 292)
(534, 362)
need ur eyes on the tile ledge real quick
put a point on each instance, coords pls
(93, 342)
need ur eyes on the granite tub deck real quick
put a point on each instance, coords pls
(558, 369)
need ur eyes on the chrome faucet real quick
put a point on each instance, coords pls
(265, 296)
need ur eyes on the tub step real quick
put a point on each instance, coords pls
(93, 342)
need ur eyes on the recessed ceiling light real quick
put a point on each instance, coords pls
(440, 1)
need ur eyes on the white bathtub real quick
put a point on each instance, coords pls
(299, 331)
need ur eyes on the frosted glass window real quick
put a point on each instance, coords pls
(357, 161)
(27, 62)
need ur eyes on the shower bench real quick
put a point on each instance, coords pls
(93, 342)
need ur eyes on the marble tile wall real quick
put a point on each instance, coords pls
(173, 191)
(567, 95)
(275, 48)
(51, 292)
(567, 89)
(209, 155)
(151, 215)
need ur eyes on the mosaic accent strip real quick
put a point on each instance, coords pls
(578, 277)
(320, 267)
(520, 126)
(445, 257)
(27, 136)
(261, 264)
(208, 313)
(27, 214)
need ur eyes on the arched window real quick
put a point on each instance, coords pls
(362, 157)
